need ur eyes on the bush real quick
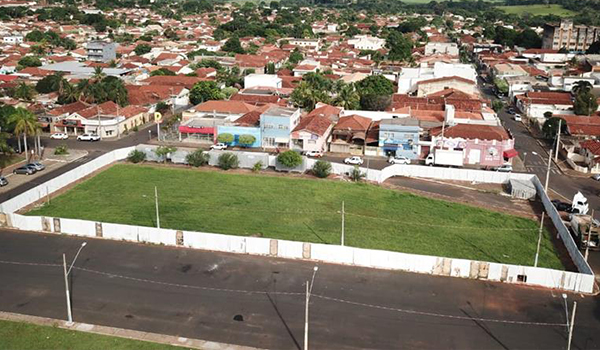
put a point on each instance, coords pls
(197, 158)
(61, 150)
(135, 129)
(225, 138)
(164, 151)
(257, 166)
(322, 169)
(290, 159)
(136, 156)
(228, 161)
(356, 175)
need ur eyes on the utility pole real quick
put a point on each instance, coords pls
(98, 113)
(587, 246)
(557, 139)
(443, 127)
(343, 223)
(156, 202)
(537, 252)
(548, 172)
(572, 325)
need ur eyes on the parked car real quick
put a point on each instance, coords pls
(596, 177)
(356, 160)
(37, 166)
(510, 110)
(3, 181)
(518, 118)
(88, 137)
(506, 168)
(218, 146)
(314, 154)
(561, 206)
(59, 136)
(26, 170)
(399, 160)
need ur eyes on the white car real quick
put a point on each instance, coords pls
(218, 146)
(353, 160)
(518, 117)
(88, 137)
(59, 136)
(506, 168)
(314, 154)
(399, 160)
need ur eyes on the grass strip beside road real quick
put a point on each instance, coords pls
(301, 209)
(25, 336)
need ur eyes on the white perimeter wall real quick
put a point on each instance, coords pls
(581, 282)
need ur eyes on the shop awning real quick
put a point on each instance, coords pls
(511, 153)
(190, 130)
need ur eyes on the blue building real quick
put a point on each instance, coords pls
(400, 137)
(276, 125)
(238, 131)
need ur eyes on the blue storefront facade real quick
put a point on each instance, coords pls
(400, 137)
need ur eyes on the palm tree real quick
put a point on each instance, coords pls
(24, 123)
(99, 74)
(347, 97)
(24, 92)
(84, 90)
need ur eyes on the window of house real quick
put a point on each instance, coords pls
(108, 132)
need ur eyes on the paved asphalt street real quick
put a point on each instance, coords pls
(198, 294)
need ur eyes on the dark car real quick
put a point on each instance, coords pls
(561, 206)
(3, 181)
(24, 170)
(511, 110)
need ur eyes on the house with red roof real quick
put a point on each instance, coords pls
(349, 134)
(535, 104)
(590, 150)
(311, 133)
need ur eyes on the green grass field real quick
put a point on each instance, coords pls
(538, 10)
(25, 336)
(301, 210)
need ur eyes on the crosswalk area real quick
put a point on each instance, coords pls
(540, 166)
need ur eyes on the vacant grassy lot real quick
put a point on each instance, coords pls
(538, 10)
(24, 336)
(301, 210)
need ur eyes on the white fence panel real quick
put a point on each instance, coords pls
(120, 232)
(237, 244)
(332, 253)
(27, 223)
(495, 272)
(422, 263)
(289, 249)
(156, 235)
(258, 246)
(460, 268)
(78, 227)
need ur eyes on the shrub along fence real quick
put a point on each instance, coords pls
(573, 281)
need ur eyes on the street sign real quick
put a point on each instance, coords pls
(158, 118)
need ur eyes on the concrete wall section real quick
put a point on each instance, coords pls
(78, 227)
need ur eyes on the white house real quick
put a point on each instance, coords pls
(268, 80)
(12, 39)
(367, 42)
(409, 77)
(433, 48)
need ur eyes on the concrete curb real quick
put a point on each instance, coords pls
(122, 333)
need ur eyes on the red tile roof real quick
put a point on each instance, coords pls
(471, 132)
(315, 124)
(591, 145)
(353, 122)
(233, 107)
(454, 77)
(69, 108)
(173, 80)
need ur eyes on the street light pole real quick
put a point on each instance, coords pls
(537, 252)
(548, 171)
(156, 202)
(343, 224)
(66, 273)
(557, 139)
(308, 291)
(571, 325)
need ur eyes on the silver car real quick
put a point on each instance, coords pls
(37, 166)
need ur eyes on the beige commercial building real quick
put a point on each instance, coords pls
(569, 36)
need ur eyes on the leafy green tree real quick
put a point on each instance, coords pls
(295, 57)
(162, 71)
(142, 49)
(225, 138)
(24, 92)
(594, 49)
(99, 74)
(400, 47)
(164, 151)
(136, 156)
(501, 85)
(233, 45)
(204, 91)
(375, 92)
(356, 175)
(197, 158)
(347, 97)
(48, 84)
(246, 140)
(290, 159)
(497, 105)
(307, 97)
(228, 161)
(529, 39)
(29, 61)
(322, 169)
(270, 68)
(550, 127)
(229, 91)
(585, 102)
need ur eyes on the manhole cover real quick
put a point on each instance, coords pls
(238, 318)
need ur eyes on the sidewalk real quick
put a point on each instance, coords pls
(122, 333)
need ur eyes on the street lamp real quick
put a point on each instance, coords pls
(156, 204)
(67, 272)
(309, 287)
